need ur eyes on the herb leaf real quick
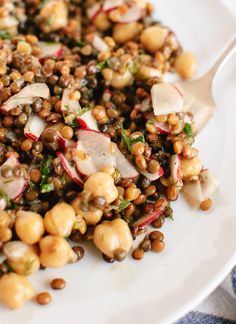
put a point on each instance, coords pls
(80, 43)
(4, 34)
(188, 129)
(129, 142)
(102, 65)
(123, 204)
(46, 168)
(134, 68)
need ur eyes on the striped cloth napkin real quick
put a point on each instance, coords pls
(218, 308)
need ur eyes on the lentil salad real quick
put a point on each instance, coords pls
(94, 143)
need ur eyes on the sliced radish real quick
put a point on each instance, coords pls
(209, 183)
(175, 165)
(13, 186)
(111, 4)
(70, 169)
(65, 143)
(162, 128)
(87, 121)
(93, 152)
(8, 22)
(134, 13)
(149, 218)
(126, 169)
(99, 44)
(196, 192)
(166, 99)
(193, 193)
(153, 176)
(68, 105)
(26, 96)
(3, 204)
(93, 11)
(34, 127)
(50, 49)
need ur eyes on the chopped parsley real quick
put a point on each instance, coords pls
(123, 204)
(101, 65)
(4, 34)
(188, 129)
(46, 168)
(46, 187)
(129, 142)
(4, 196)
(80, 43)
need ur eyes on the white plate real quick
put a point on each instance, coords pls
(200, 247)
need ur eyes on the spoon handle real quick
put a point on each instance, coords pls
(222, 59)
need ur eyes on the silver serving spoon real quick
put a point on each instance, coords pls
(198, 97)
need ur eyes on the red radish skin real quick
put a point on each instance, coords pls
(34, 127)
(26, 96)
(14, 188)
(162, 128)
(149, 218)
(93, 11)
(175, 165)
(70, 169)
(110, 5)
(87, 121)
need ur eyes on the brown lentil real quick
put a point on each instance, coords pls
(26, 145)
(120, 255)
(58, 283)
(137, 148)
(158, 223)
(206, 204)
(157, 246)
(156, 235)
(44, 298)
(150, 190)
(138, 254)
(141, 163)
(172, 193)
(79, 252)
(35, 175)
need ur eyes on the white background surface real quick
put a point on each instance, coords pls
(200, 246)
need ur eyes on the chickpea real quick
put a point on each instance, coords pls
(55, 252)
(53, 16)
(112, 236)
(190, 168)
(101, 21)
(146, 72)
(153, 38)
(101, 184)
(186, 65)
(4, 219)
(5, 234)
(60, 220)
(21, 257)
(123, 33)
(91, 217)
(120, 81)
(15, 290)
(29, 226)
